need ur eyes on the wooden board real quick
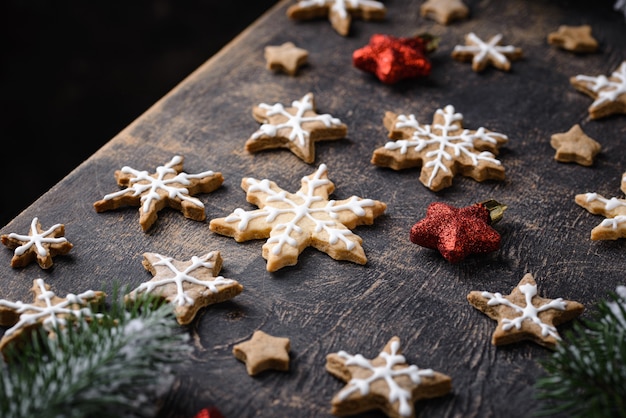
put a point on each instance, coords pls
(323, 305)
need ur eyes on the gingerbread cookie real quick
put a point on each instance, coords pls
(287, 58)
(574, 38)
(523, 315)
(263, 352)
(38, 245)
(482, 53)
(614, 226)
(169, 186)
(188, 285)
(444, 11)
(609, 94)
(47, 310)
(575, 146)
(339, 12)
(442, 149)
(386, 383)
(294, 222)
(296, 128)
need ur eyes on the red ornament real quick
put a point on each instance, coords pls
(210, 412)
(393, 59)
(457, 233)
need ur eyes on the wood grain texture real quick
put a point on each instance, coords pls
(324, 305)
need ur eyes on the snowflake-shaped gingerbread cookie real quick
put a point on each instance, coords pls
(387, 382)
(442, 149)
(38, 245)
(189, 285)
(294, 222)
(614, 226)
(48, 311)
(609, 93)
(482, 53)
(523, 315)
(169, 186)
(296, 128)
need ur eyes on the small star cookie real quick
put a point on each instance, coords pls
(386, 383)
(523, 315)
(189, 286)
(339, 12)
(169, 186)
(482, 54)
(38, 245)
(287, 58)
(575, 146)
(307, 218)
(574, 39)
(614, 226)
(444, 11)
(296, 128)
(263, 352)
(609, 94)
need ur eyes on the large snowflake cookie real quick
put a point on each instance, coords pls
(294, 222)
(38, 245)
(296, 128)
(442, 149)
(187, 285)
(614, 226)
(339, 12)
(386, 383)
(47, 310)
(482, 53)
(523, 315)
(609, 93)
(168, 186)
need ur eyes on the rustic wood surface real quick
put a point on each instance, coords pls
(323, 305)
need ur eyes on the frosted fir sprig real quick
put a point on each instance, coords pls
(117, 366)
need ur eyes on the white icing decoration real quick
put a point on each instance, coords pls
(340, 6)
(293, 122)
(301, 206)
(607, 90)
(458, 144)
(179, 277)
(528, 312)
(52, 315)
(37, 239)
(386, 373)
(147, 186)
(483, 49)
(612, 204)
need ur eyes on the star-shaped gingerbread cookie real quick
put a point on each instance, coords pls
(169, 186)
(574, 38)
(444, 11)
(287, 58)
(47, 310)
(188, 285)
(482, 53)
(296, 128)
(442, 149)
(614, 226)
(295, 221)
(575, 146)
(38, 245)
(524, 315)
(339, 12)
(609, 93)
(386, 383)
(263, 352)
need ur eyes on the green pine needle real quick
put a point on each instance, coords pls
(115, 366)
(586, 375)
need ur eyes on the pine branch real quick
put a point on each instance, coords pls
(586, 375)
(117, 366)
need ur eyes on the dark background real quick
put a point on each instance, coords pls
(75, 73)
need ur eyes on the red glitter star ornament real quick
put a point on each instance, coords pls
(210, 412)
(459, 232)
(393, 59)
